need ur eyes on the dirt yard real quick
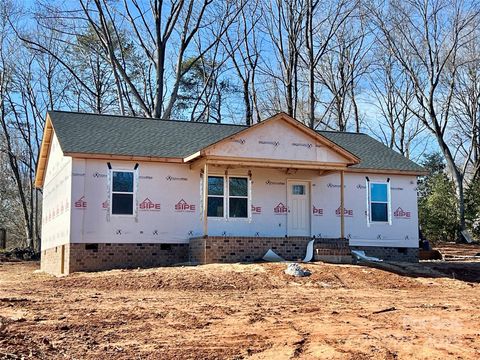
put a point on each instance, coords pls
(240, 312)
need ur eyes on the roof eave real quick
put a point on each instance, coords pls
(106, 156)
(387, 171)
(44, 152)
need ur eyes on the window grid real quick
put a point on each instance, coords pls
(237, 197)
(123, 192)
(226, 196)
(387, 202)
(222, 196)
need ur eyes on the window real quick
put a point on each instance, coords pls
(122, 192)
(216, 191)
(236, 194)
(379, 202)
(298, 189)
(237, 197)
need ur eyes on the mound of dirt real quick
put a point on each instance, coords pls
(205, 278)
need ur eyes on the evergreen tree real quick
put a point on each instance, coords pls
(437, 205)
(472, 207)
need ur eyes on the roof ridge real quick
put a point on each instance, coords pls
(342, 132)
(142, 118)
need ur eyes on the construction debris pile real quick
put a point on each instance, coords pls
(294, 269)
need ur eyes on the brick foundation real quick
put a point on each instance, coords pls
(213, 249)
(96, 257)
(332, 251)
(219, 249)
(390, 253)
(51, 260)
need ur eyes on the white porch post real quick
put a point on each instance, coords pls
(342, 205)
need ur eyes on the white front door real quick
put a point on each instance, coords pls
(298, 203)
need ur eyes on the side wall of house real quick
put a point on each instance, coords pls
(56, 210)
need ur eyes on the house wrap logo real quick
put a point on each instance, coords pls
(280, 209)
(256, 210)
(330, 185)
(149, 205)
(308, 145)
(401, 214)
(173, 178)
(360, 186)
(97, 175)
(80, 203)
(265, 142)
(239, 141)
(183, 206)
(270, 182)
(346, 212)
(317, 211)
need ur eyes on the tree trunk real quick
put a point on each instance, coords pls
(248, 107)
(457, 178)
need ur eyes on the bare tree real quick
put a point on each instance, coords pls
(30, 83)
(425, 36)
(322, 22)
(283, 21)
(392, 90)
(466, 107)
(341, 69)
(242, 45)
(9, 119)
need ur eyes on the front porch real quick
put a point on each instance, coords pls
(229, 249)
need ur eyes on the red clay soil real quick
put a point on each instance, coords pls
(452, 249)
(237, 312)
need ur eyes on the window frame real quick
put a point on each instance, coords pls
(133, 192)
(226, 198)
(370, 202)
(217, 196)
(238, 197)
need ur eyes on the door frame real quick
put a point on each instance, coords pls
(309, 186)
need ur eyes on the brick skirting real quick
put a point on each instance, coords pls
(51, 260)
(220, 249)
(96, 257)
(390, 253)
(331, 247)
(68, 258)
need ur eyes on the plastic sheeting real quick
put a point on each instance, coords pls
(272, 256)
(309, 254)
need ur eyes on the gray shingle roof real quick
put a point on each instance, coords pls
(133, 136)
(372, 153)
